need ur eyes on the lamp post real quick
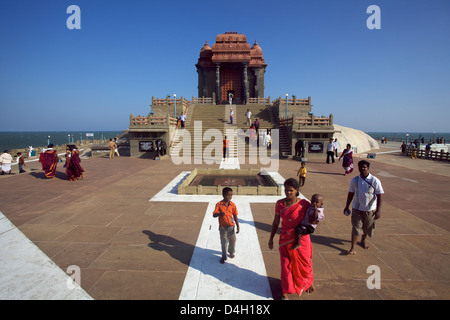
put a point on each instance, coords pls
(175, 105)
(286, 105)
(48, 140)
(407, 135)
(68, 138)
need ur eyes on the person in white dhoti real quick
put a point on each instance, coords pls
(5, 160)
(230, 98)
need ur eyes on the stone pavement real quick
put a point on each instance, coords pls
(128, 247)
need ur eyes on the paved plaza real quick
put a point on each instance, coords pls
(130, 240)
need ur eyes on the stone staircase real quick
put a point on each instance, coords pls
(217, 117)
(284, 139)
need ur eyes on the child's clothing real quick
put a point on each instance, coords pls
(302, 176)
(21, 163)
(226, 227)
(306, 227)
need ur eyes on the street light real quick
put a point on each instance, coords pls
(48, 140)
(68, 138)
(175, 105)
(286, 104)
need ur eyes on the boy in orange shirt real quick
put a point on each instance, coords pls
(226, 211)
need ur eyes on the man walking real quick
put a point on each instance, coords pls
(112, 148)
(365, 190)
(330, 151)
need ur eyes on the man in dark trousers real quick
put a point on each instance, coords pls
(299, 148)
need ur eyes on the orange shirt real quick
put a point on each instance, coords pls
(226, 143)
(227, 219)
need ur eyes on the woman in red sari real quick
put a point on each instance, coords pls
(296, 265)
(49, 160)
(74, 171)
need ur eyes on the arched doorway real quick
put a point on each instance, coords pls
(231, 82)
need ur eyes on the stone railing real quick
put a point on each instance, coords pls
(203, 100)
(292, 102)
(297, 122)
(170, 102)
(432, 155)
(153, 122)
(313, 121)
(259, 100)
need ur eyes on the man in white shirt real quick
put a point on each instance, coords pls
(5, 160)
(182, 119)
(335, 143)
(365, 190)
(330, 151)
(249, 117)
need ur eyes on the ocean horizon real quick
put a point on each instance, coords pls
(10, 140)
(401, 135)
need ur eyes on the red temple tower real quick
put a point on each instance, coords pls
(231, 66)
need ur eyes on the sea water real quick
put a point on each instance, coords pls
(401, 136)
(22, 140)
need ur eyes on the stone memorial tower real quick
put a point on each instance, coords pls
(231, 66)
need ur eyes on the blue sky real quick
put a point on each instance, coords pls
(392, 79)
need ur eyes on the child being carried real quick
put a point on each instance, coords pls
(313, 215)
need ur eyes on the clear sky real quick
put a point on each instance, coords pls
(391, 79)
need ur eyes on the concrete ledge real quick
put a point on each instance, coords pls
(27, 273)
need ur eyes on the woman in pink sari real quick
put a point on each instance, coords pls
(347, 164)
(296, 265)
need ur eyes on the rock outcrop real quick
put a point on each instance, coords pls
(361, 142)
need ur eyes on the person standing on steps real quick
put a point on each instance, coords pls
(230, 98)
(226, 148)
(231, 115)
(248, 115)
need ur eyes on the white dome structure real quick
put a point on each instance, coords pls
(360, 141)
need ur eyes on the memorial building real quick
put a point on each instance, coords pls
(231, 65)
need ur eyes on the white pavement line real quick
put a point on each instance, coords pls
(241, 278)
(230, 163)
(26, 273)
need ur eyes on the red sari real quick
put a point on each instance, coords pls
(73, 166)
(296, 265)
(49, 160)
